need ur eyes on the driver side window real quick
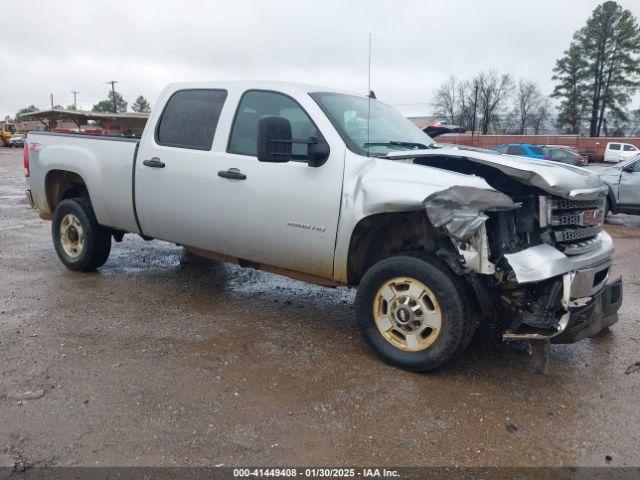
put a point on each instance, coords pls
(255, 104)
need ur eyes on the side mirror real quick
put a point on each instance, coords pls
(275, 143)
(274, 139)
(630, 168)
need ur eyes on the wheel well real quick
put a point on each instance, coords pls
(381, 235)
(61, 184)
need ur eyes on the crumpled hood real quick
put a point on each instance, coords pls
(552, 177)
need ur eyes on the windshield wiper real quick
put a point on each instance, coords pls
(394, 143)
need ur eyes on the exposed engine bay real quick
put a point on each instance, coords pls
(495, 232)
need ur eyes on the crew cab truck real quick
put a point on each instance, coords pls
(341, 190)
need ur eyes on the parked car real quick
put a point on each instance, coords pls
(623, 181)
(575, 150)
(342, 190)
(17, 141)
(617, 152)
(564, 155)
(523, 150)
(440, 128)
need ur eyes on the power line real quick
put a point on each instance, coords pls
(409, 104)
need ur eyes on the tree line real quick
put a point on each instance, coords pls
(140, 105)
(595, 81)
(493, 103)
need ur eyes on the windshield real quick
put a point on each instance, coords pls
(387, 131)
(635, 158)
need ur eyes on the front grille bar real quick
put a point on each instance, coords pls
(576, 223)
(568, 235)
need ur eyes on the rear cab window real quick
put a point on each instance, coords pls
(190, 118)
(614, 146)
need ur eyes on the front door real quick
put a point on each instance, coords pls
(629, 189)
(628, 151)
(281, 214)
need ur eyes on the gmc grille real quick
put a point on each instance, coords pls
(576, 223)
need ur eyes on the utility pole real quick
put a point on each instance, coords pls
(475, 109)
(113, 94)
(75, 105)
(51, 97)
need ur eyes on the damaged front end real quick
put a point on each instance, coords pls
(460, 211)
(540, 263)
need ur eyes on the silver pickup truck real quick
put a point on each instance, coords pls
(341, 190)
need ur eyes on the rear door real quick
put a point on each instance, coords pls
(176, 179)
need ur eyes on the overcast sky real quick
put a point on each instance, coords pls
(56, 47)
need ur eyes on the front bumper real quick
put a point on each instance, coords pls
(583, 317)
(587, 320)
(590, 301)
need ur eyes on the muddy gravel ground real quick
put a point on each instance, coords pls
(162, 359)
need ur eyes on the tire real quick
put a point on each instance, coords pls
(445, 294)
(607, 208)
(86, 244)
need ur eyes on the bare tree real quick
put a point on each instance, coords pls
(453, 100)
(445, 100)
(465, 105)
(493, 92)
(528, 99)
(541, 116)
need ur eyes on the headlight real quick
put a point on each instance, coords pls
(545, 205)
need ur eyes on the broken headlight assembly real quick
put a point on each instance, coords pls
(545, 208)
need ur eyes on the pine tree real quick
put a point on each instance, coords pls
(141, 105)
(601, 70)
(570, 72)
(107, 105)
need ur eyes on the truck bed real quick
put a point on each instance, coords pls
(105, 164)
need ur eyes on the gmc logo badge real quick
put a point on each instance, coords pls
(590, 217)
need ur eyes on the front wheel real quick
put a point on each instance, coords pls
(414, 312)
(80, 241)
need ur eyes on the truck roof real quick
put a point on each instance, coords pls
(285, 87)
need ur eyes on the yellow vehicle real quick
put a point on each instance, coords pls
(8, 130)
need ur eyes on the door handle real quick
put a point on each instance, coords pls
(232, 174)
(155, 162)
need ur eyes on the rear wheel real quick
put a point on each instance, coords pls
(81, 243)
(414, 312)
